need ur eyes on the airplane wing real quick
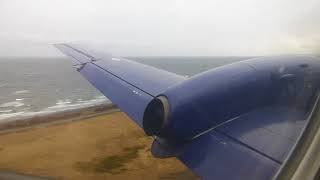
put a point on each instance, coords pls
(128, 84)
(251, 146)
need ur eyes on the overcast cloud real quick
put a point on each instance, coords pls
(164, 27)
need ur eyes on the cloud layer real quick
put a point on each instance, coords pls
(167, 27)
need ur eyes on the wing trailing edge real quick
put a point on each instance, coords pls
(128, 84)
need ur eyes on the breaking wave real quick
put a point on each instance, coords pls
(61, 105)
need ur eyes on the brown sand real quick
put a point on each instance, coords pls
(104, 147)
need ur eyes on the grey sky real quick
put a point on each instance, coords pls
(163, 27)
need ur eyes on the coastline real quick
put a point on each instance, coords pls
(97, 142)
(69, 115)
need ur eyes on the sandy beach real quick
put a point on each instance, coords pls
(104, 146)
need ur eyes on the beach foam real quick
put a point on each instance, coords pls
(10, 115)
(11, 104)
(6, 111)
(21, 92)
(67, 104)
(3, 85)
(61, 105)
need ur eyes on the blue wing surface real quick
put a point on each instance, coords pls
(216, 156)
(128, 84)
(253, 146)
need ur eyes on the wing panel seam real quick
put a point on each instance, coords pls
(122, 79)
(81, 52)
(92, 58)
(249, 147)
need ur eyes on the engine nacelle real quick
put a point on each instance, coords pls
(212, 98)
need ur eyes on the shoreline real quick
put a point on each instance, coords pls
(59, 117)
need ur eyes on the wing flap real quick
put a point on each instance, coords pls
(153, 81)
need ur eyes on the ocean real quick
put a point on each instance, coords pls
(32, 86)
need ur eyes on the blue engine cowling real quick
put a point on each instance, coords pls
(212, 98)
